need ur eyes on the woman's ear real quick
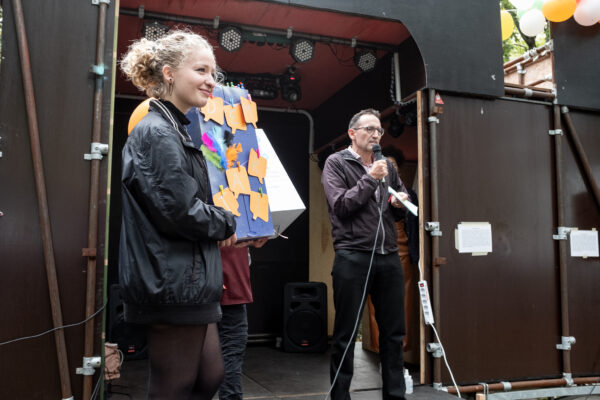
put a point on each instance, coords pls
(167, 73)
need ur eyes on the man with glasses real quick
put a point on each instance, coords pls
(364, 234)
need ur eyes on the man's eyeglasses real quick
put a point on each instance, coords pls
(371, 129)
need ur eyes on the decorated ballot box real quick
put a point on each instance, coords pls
(225, 131)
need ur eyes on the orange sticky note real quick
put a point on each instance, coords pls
(257, 166)
(213, 109)
(231, 154)
(225, 199)
(259, 206)
(249, 109)
(237, 179)
(235, 117)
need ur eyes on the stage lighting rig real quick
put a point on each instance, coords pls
(290, 85)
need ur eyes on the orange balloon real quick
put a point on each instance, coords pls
(136, 116)
(559, 10)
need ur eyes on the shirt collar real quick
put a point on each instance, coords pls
(355, 155)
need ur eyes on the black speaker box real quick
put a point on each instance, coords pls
(130, 338)
(305, 317)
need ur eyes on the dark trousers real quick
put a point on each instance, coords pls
(233, 334)
(386, 287)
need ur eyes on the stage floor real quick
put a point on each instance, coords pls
(270, 373)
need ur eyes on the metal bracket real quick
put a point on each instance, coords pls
(89, 363)
(97, 151)
(506, 386)
(563, 231)
(438, 386)
(520, 69)
(289, 33)
(435, 349)
(433, 119)
(433, 228)
(353, 42)
(97, 69)
(216, 21)
(569, 378)
(564, 109)
(567, 341)
(97, 2)
(555, 132)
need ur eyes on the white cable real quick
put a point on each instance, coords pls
(446, 360)
(364, 295)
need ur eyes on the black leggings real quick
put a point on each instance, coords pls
(185, 362)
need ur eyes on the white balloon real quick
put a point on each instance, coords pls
(522, 4)
(532, 23)
(587, 12)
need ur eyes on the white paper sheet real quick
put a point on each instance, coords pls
(584, 243)
(474, 237)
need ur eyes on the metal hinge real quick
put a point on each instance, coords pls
(97, 69)
(567, 341)
(89, 363)
(555, 132)
(433, 228)
(563, 231)
(97, 151)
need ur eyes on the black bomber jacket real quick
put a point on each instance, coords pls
(169, 261)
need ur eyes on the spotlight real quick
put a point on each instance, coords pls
(365, 60)
(290, 86)
(302, 50)
(154, 30)
(230, 38)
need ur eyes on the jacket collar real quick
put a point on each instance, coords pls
(168, 115)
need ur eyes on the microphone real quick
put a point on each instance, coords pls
(378, 156)
(377, 152)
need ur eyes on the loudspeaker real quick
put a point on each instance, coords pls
(305, 317)
(130, 338)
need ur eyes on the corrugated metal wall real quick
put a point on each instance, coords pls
(62, 38)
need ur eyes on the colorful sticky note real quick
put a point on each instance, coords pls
(257, 166)
(231, 154)
(259, 206)
(225, 199)
(213, 109)
(237, 179)
(235, 117)
(249, 109)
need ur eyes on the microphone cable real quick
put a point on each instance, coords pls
(364, 295)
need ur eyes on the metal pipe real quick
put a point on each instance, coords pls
(562, 244)
(502, 386)
(311, 122)
(91, 251)
(397, 76)
(530, 55)
(257, 29)
(435, 240)
(40, 184)
(580, 154)
(529, 93)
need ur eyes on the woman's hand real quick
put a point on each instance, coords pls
(230, 241)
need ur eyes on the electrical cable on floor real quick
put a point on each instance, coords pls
(362, 301)
(55, 329)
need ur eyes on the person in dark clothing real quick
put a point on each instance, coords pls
(233, 327)
(366, 260)
(169, 261)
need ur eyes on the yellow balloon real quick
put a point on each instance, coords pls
(507, 24)
(136, 116)
(559, 10)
